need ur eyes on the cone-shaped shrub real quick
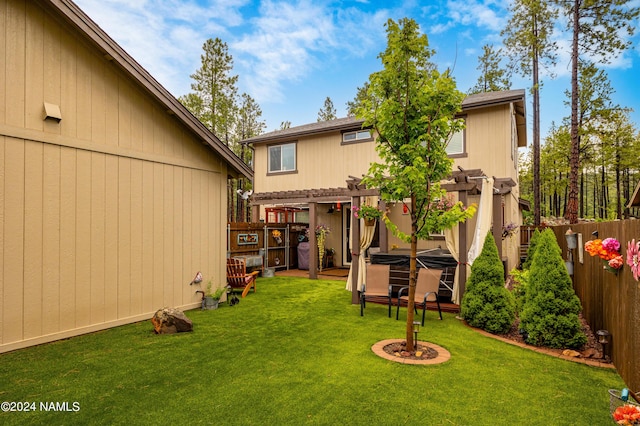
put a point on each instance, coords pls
(531, 251)
(487, 304)
(550, 313)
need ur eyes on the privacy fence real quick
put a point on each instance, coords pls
(609, 301)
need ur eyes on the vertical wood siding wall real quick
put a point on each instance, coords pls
(609, 301)
(106, 216)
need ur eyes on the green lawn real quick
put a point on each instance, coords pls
(297, 352)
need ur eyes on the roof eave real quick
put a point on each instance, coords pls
(270, 138)
(76, 17)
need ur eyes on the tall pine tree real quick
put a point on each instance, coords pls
(492, 77)
(529, 45)
(328, 111)
(600, 30)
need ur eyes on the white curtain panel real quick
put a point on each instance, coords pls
(366, 237)
(483, 223)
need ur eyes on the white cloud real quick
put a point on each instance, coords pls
(281, 45)
(165, 36)
(288, 39)
(482, 14)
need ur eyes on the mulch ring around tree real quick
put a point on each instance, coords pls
(395, 350)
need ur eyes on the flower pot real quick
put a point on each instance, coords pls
(369, 222)
(269, 272)
(209, 303)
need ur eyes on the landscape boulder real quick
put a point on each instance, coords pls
(170, 321)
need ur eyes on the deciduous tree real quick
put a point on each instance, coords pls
(412, 107)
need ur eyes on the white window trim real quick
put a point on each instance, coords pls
(361, 135)
(295, 158)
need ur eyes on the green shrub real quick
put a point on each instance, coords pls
(550, 313)
(531, 251)
(487, 304)
(519, 290)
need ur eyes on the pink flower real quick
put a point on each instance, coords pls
(633, 258)
(617, 262)
(611, 244)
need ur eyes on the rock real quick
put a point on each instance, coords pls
(569, 352)
(170, 321)
(591, 353)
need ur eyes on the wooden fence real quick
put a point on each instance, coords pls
(609, 302)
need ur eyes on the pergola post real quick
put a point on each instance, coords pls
(462, 247)
(497, 222)
(355, 252)
(383, 231)
(313, 242)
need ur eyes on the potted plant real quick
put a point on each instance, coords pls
(368, 213)
(212, 298)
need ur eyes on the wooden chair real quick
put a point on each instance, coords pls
(376, 286)
(237, 277)
(426, 291)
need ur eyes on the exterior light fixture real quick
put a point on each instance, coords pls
(603, 339)
(572, 239)
(572, 243)
(416, 330)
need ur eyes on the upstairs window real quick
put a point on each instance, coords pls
(357, 136)
(282, 158)
(456, 143)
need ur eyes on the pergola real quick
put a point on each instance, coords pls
(351, 193)
(468, 182)
(464, 182)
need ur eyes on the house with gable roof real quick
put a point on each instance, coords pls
(311, 173)
(112, 195)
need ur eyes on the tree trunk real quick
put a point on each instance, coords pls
(626, 191)
(603, 198)
(413, 274)
(618, 185)
(564, 203)
(229, 200)
(595, 195)
(574, 161)
(240, 202)
(536, 133)
(582, 197)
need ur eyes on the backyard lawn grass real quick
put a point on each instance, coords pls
(298, 352)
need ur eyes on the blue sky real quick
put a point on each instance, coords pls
(291, 54)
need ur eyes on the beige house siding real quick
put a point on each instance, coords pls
(107, 215)
(491, 142)
(323, 162)
(488, 132)
(319, 158)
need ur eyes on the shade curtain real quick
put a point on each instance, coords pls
(483, 223)
(452, 240)
(366, 237)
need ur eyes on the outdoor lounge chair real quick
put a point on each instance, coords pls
(237, 277)
(376, 286)
(426, 291)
